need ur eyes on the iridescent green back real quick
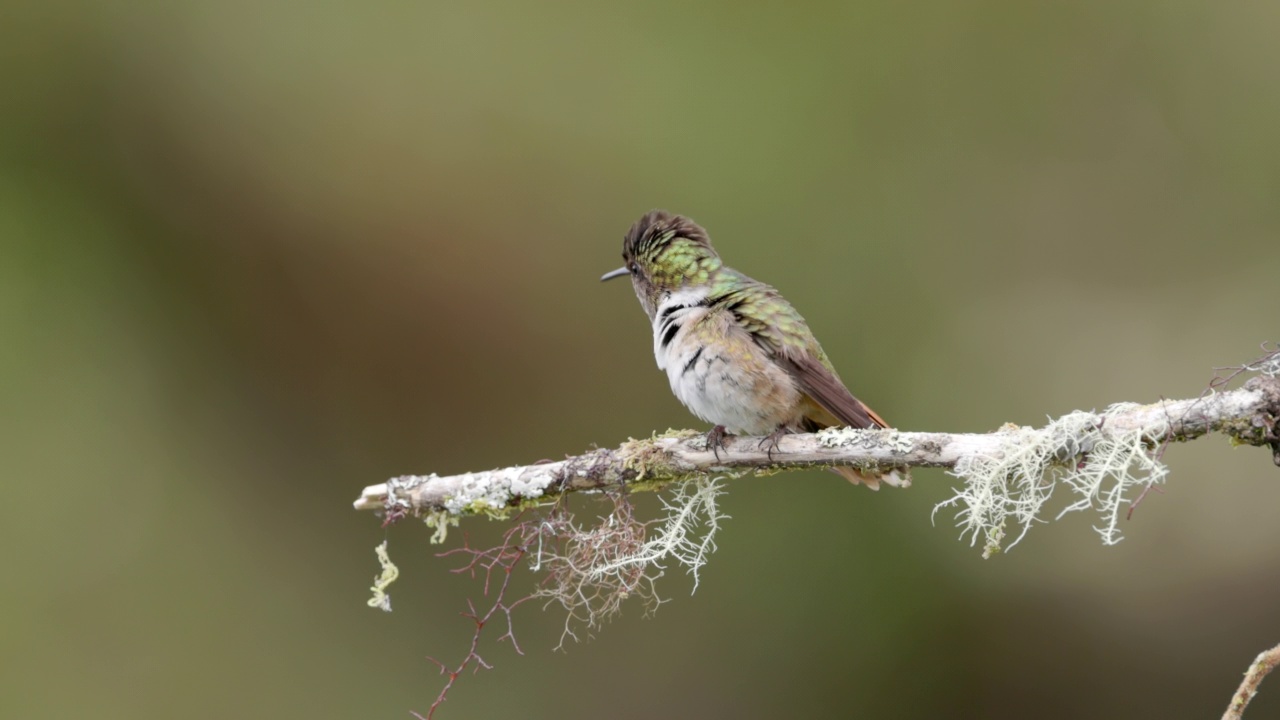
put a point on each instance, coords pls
(762, 311)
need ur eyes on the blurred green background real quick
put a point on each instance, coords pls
(254, 257)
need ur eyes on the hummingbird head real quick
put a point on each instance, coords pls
(663, 254)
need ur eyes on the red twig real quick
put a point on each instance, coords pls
(502, 559)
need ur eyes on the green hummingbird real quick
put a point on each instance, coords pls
(737, 354)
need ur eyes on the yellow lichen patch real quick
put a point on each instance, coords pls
(484, 507)
(440, 520)
(390, 572)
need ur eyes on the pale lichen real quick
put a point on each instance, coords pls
(440, 521)
(1268, 365)
(872, 439)
(845, 437)
(687, 535)
(1013, 483)
(594, 569)
(398, 489)
(491, 491)
(390, 572)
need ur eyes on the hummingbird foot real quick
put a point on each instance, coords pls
(770, 442)
(715, 440)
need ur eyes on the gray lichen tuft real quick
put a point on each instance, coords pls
(1009, 488)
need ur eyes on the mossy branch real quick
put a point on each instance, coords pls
(1008, 474)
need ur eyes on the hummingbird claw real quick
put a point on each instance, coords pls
(715, 440)
(770, 442)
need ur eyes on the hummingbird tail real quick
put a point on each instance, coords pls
(897, 477)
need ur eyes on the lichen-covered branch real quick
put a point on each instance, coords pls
(1104, 457)
(1261, 667)
(1083, 461)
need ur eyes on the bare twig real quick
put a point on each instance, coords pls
(503, 559)
(1260, 668)
(1247, 415)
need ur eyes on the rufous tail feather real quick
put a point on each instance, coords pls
(897, 477)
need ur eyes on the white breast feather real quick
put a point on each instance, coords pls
(706, 390)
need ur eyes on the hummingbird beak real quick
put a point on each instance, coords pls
(615, 273)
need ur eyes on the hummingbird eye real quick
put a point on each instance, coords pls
(631, 268)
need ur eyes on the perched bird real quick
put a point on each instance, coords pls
(738, 355)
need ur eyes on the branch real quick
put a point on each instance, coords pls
(1008, 473)
(1260, 668)
(1105, 460)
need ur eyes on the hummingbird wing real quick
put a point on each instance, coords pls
(819, 383)
(777, 327)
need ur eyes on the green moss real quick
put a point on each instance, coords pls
(685, 434)
(644, 457)
(1244, 432)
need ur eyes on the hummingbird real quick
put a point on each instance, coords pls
(737, 354)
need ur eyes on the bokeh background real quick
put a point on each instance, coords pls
(256, 256)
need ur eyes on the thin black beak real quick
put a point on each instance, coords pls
(615, 273)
